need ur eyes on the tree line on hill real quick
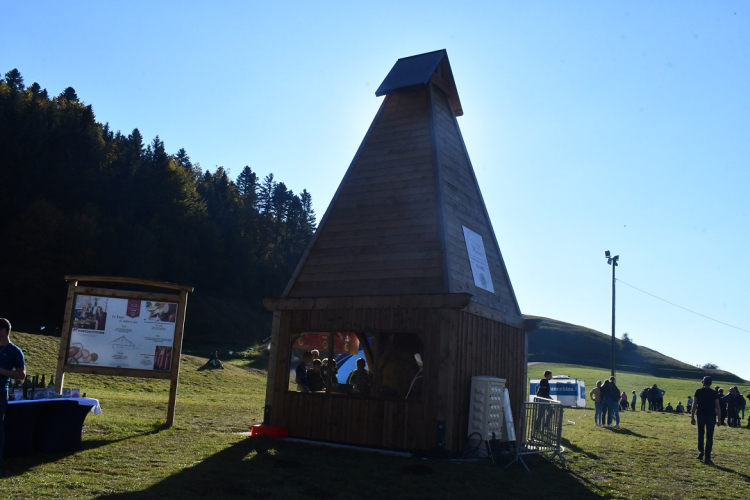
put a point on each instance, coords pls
(81, 199)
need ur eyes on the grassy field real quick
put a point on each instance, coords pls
(128, 454)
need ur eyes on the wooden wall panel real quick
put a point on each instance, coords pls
(487, 348)
(457, 346)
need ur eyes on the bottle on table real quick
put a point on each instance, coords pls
(51, 382)
(42, 384)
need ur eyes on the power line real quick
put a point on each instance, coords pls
(684, 308)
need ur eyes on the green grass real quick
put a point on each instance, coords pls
(128, 454)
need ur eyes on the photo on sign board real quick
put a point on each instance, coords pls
(90, 313)
(163, 312)
(162, 358)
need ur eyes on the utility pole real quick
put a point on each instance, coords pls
(612, 261)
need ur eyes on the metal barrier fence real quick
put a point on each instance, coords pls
(541, 430)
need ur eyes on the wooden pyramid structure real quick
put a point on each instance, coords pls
(408, 218)
(405, 261)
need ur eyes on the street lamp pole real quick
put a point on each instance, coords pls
(612, 261)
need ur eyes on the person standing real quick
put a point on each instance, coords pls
(12, 366)
(635, 399)
(644, 398)
(543, 390)
(596, 395)
(706, 405)
(614, 391)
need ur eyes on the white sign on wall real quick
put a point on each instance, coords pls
(478, 259)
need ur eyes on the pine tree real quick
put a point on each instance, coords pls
(14, 80)
(69, 94)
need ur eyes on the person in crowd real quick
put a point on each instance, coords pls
(623, 401)
(616, 413)
(361, 379)
(634, 401)
(607, 403)
(669, 408)
(729, 405)
(12, 366)
(651, 399)
(689, 403)
(679, 408)
(214, 361)
(722, 406)
(314, 377)
(315, 354)
(596, 395)
(659, 397)
(706, 406)
(542, 391)
(741, 403)
(300, 373)
(644, 398)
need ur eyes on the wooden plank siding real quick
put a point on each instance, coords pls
(463, 206)
(380, 235)
(457, 346)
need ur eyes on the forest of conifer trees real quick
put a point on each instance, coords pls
(80, 198)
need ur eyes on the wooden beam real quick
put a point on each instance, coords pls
(132, 281)
(117, 372)
(125, 294)
(62, 355)
(432, 301)
(176, 356)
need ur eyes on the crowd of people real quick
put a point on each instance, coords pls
(315, 375)
(609, 401)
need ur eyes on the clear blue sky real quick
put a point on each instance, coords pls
(591, 126)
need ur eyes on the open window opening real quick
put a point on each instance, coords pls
(360, 364)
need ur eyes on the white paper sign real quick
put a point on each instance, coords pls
(478, 259)
(122, 333)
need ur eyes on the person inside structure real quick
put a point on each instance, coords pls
(300, 373)
(361, 379)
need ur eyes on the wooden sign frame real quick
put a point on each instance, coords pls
(74, 290)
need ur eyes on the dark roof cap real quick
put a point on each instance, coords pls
(417, 71)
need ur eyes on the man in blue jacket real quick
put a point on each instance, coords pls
(12, 366)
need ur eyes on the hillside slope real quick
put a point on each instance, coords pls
(559, 342)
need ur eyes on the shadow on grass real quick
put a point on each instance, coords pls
(263, 468)
(628, 432)
(16, 466)
(732, 471)
(570, 446)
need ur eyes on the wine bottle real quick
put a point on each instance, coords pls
(42, 384)
(25, 386)
(51, 382)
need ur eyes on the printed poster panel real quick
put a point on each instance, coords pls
(122, 333)
(478, 259)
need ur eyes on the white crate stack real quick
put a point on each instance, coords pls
(486, 414)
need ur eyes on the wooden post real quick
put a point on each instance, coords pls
(176, 356)
(65, 336)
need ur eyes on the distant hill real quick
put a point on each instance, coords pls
(559, 342)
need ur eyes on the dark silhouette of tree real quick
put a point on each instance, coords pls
(14, 80)
(69, 94)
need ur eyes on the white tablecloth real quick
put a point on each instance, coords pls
(94, 403)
